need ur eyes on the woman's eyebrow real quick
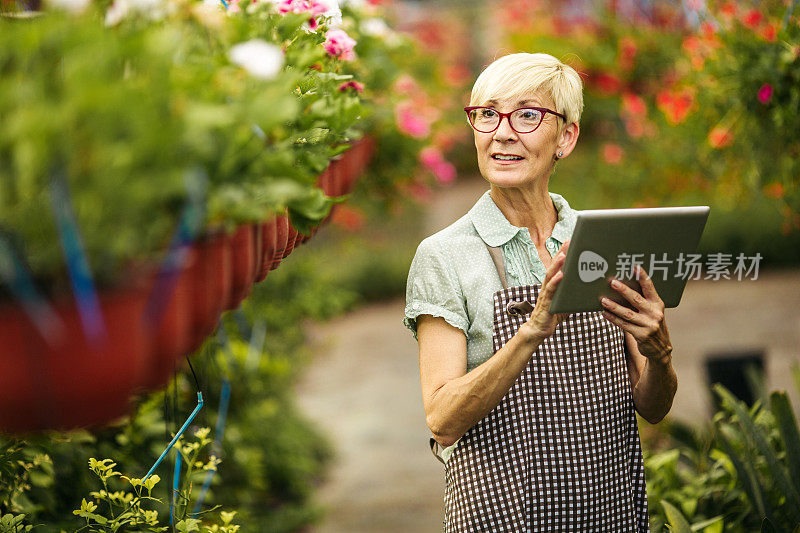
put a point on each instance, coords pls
(520, 103)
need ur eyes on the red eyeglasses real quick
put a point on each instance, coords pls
(522, 120)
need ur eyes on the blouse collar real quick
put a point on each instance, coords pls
(495, 229)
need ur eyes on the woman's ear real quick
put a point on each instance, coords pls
(568, 139)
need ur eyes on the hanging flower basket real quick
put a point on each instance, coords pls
(281, 240)
(72, 381)
(211, 285)
(243, 271)
(269, 237)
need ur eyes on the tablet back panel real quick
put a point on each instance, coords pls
(606, 242)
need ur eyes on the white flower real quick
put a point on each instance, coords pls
(73, 6)
(260, 58)
(334, 13)
(152, 9)
(375, 26)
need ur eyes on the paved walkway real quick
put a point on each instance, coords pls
(363, 388)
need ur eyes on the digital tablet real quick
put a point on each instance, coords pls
(607, 243)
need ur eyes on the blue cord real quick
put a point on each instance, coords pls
(177, 435)
(77, 263)
(176, 476)
(219, 432)
(189, 225)
(15, 275)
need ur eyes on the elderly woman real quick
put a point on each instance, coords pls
(535, 411)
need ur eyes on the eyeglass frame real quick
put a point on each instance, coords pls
(543, 110)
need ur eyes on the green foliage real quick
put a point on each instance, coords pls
(737, 476)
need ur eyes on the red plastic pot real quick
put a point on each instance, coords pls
(291, 241)
(281, 239)
(269, 236)
(243, 271)
(326, 181)
(258, 250)
(210, 278)
(72, 382)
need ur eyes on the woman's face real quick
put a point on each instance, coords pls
(535, 150)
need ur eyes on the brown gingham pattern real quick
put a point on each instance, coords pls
(561, 451)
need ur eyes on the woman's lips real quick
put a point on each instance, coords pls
(506, 161)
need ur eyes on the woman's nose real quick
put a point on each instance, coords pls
(504, 130)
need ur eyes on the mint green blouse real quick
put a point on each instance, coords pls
(453, 277)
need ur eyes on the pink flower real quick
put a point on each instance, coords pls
(405, 84)
(339, 44)
(765, 93)
(410, 121)
(315, 7)
(442, 170)
(612, 153)
(352, 84)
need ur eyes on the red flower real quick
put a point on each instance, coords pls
(765, 93)
(720, 137)
(774, 190)
(352, 84)
(627, 52)
(347, 217)
(752, 18)
(612, 153)
(769, 32)
(633, 104)
(729, 9)
(607, 83)
(675, 105)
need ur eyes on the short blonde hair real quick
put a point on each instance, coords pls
(515, 75)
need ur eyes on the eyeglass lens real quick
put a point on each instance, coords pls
(522, 120)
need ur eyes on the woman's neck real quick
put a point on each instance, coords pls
(532, 209)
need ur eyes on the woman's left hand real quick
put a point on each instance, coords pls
(646, 323)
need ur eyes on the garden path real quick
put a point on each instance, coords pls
(365, 394)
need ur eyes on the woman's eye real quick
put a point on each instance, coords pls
(530, 113)
(488, 113)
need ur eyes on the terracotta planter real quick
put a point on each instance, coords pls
(281, 239)
(291, 241)
(72, 382)
(211, 281)
(173, 332)
(269, 237)
(243, 271)
(326, 181)
(258, 248)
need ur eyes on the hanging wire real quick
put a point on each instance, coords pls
(77, 263)
(176, 476)
(177, 436)
(219, 433)
(14, 274)
(189, 224)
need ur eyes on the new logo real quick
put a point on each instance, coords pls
(591, 266)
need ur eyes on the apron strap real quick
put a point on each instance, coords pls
(497, 259)
(435, 450)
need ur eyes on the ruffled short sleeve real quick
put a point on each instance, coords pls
(433, 289)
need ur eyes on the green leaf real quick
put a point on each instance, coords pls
(768, 527)
(787, 425)
(677, 522)
(745, 472)
(712, 525)
(779, 473)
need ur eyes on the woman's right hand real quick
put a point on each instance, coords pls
(543, 323)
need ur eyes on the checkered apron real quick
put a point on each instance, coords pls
(561, 451)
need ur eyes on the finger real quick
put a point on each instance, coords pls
(623, 312)
(637, 331)
(546, 294)
(631, 295)
(648, 289)
(555, 266)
